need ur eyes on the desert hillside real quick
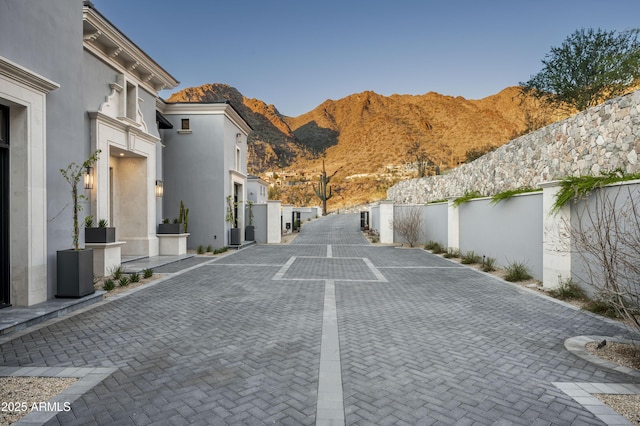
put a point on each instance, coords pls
(365, 137)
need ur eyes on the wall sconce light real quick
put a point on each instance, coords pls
(159, 188)
(238, 137)
(88, 178)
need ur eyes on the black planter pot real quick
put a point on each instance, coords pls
(250, 233)
(100, 235)
(235, 239)
(169, 228)
(75, 273)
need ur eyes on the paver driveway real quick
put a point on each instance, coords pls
(327, 329)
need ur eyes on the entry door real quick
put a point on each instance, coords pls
(5, 284)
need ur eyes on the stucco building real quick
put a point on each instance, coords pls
(71, 83)
(205, 161)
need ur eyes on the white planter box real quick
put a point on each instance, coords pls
(173, 244)
(106, 256)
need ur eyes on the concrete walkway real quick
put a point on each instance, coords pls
(326, 330)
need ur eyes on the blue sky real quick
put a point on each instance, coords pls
(295, 54)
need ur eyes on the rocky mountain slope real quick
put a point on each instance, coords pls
(366, 136)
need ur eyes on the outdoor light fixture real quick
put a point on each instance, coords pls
(238, 137)
(159, 188)
(88, 178)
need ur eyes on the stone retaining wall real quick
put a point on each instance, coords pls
(599, 139)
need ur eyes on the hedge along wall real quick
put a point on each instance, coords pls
(601, 138)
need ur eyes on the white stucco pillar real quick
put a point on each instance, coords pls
(453, 225)
(556, 238)
(386, 222)
(274, 232)
(26, 93)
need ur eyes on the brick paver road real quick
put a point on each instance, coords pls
(330, 330)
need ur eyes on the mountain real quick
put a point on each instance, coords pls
(365, 137)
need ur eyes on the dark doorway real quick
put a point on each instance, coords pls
(5, 284)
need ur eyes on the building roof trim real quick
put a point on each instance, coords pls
(208, 108)
(27, 77)
(104, 40)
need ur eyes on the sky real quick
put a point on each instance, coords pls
(295, 54)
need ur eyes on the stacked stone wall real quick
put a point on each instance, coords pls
(600, 139)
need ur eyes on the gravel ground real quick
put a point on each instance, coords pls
(626, 405)
(622, 354)
(19, 394)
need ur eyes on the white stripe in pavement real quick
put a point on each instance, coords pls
(330, 405)
(329, 251)
(375, 271)
(280, 274)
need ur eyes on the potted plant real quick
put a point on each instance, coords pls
(101, 234)
(169, 228)
(75, 266)
(234, 234)
(250, 230)
(179, 225)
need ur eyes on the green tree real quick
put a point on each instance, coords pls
(589, 67)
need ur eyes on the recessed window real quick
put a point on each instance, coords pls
(132, 101)
(185, 124)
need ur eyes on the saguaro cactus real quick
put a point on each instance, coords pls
(184, 217)
(323, 187)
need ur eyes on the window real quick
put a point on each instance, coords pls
(185, 124)
(132, 101)
(238, 156)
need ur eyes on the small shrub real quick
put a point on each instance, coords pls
(434, 247)
(375, 239)
(489, 264)
(568, 290)
(517, 271)
(452, 253)
(108, 285)
(407, 223)
(88, 222)
(209, 248)
(124, 281)
(117, 272)
(602, 307)
(438, 249)
(200, 249)
(134, 278)
(470, 258)
(220, 250)
(430, 245)
(147, 273)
